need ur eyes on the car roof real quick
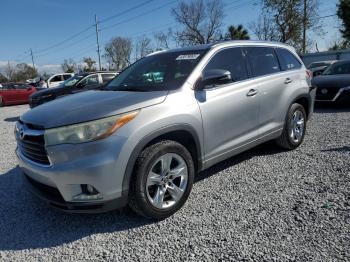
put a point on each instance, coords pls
(223, 44)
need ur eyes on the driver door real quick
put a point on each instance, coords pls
(229, 111)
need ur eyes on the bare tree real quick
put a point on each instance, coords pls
(264, 28)
(162, 39)
(201, 21)
(68, 65)
(288, 21)
(118, 52)
(143, 47)
(9, 71)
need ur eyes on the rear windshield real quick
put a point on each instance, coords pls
(163, 71)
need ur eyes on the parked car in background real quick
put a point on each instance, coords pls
(142, 138)
(333, 86)
(317, 68)
(15, 93)
(77, 83)
(57, 79)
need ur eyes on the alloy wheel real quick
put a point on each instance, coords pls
(167, 181)
(297, 126)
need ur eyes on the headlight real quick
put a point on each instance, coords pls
(88, 131)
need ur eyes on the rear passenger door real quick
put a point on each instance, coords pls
(229, 113)
(270, 85)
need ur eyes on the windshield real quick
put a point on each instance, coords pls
(338, 69)
(164, 71)
(71, 81)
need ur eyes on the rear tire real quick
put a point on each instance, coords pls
(163, 179)
(294, 128)
(1, 102)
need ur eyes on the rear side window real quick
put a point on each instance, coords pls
(287, 60)
(65, 77)
(232, 60)
(263, 61)
(56, 79)
(107, 77)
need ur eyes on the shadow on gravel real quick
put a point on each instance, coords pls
(27, 223)
(331, 109)
(12, 119)
(268, 148)
(338, 149)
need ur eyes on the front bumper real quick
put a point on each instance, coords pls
(96, 163)
(342, 95)
(53, 197)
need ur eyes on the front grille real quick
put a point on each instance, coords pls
(329, 95)
(31, 144)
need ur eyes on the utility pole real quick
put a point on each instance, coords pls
(304, 26)
(31, 53)
(98, 43)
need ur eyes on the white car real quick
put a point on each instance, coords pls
(57, 79)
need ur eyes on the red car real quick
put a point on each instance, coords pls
(15, 93)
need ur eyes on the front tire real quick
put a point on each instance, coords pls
(294, 128)
(163, 180)
(1, 102)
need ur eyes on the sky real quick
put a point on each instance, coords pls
(59, 29)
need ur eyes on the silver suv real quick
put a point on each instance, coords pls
(141, 140)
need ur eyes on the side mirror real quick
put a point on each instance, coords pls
(214, 77)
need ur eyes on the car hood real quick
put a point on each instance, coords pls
(90, 105)
(331, 81)
(49, 91)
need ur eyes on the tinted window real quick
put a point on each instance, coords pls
(231, 60)
(107, 77)
(56, 79)
(263, 61)
(21, 86)
(338, 69)
(65, 77)
(90, 80)
(287, 60)
(163, 71)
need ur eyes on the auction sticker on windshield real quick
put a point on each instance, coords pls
(188, 57)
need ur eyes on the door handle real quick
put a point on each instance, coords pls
(288, 81)
(252, 92)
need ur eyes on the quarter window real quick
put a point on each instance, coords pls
(107, 77)
(263, 61)
(287, 60)
(232, 60)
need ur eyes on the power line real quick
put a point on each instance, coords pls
(126, 11)
(140, 15)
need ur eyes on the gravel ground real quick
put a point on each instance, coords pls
(264, 204)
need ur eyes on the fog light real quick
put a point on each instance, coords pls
(89, 189)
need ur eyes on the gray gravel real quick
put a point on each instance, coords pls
(264, 204)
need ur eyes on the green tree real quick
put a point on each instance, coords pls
(68, 65)
(23, 72)
(344, 14)
(3, 78)
(237, 33)
(89, 64)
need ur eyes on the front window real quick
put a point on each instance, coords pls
(164, 71)
(338, 69)
(72, 81)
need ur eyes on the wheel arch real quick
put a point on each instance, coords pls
(181, 133)
(306, 101)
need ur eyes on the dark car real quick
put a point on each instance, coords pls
(333, 86)
(15, 93)
(77, 83)
(317, 68)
